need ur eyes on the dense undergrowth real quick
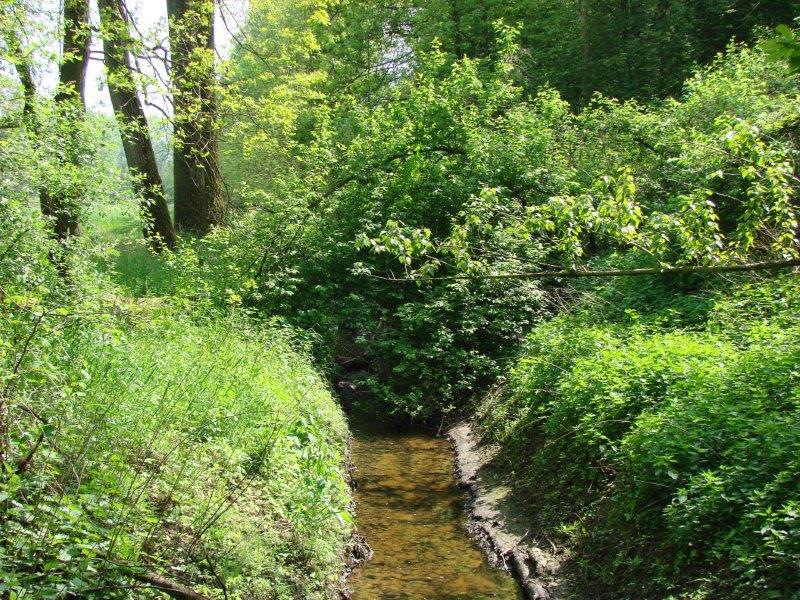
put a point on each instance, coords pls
(665, 456)
(162, 415)
(650, 423)
(459, 173)
(154, 437)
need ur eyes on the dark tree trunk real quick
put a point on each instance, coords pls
(29, 88)
(23, 69)
(199, 199)
(61, 205)
(585, 48)
(458, 39)
(141, 158)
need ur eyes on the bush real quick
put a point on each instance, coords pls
(666, 459)
(440, 351)
(722, 466)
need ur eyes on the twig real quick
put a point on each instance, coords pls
(23, 465)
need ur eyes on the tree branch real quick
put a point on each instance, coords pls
(576, 273)
(169, 587)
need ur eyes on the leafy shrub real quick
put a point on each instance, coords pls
(721, 465)
(548, 353)
(667, 459)
(441, 350)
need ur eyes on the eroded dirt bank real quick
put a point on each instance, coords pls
(500, 523)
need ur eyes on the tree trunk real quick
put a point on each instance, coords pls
(22, 67)
(29, 88)
(139, 154)
(199, 198)
(585, 49)
(61, 205)
(458, 40)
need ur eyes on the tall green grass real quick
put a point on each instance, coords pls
(154, 437)
(127, 260)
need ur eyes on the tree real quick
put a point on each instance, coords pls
(60, 203)
(585, 47)
(20, 60)
(199, 199)
(158, 230)
(784, 47)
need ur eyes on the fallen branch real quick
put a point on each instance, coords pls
(169, 587)
(575, 273)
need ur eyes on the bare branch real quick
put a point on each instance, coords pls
(577, 273)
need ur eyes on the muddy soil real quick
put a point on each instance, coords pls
(501, 524)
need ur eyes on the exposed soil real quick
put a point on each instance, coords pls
(501, 524)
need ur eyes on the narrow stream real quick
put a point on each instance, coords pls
(411, 511)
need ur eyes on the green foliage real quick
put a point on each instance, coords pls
(151, 436)
(652, 423)
(453, 341)
(666, 458)
(705, 180)
(730, 449)
(455, 172)
(298, 251)
(784, 47)
(622, 49)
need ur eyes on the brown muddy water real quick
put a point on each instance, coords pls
(411, 510)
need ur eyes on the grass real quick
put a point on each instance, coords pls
(130, 263)
(202, 447)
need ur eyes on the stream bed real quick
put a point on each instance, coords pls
(412, 512)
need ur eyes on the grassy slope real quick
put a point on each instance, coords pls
(204, 449)
(666, 457)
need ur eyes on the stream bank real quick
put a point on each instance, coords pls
(499, 523)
